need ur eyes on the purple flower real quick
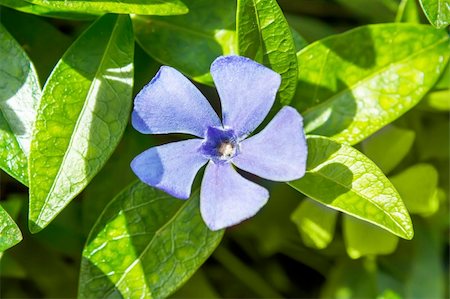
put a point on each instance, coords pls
(170, 103)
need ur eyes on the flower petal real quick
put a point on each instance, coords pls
(171, 167)
(170, 103)
(279, 151)
(247, 91)
(226, 198)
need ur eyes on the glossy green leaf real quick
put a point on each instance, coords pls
(349, 92)
(146, 244)
(389, 146)
(190, 42)
(315, 222)
(342, 178)
(62, 12)
(10, 233)
(264, 35)
(417, 186)
(19, 96)
(83, 112)
(365, 239)
(143, 7)
(437, 12)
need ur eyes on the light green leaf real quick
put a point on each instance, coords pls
(343, 179)
(146, 244)
(365, 239)
(190, 42)
(10, 233)
(143, 7)
(408, 12)
(19, 96)
(437, 101)
(315, 222)
(437, 12)
(389, 146)
(264, 35)
(62, 12)
(349, 92)
(417, 186)
(83, 112)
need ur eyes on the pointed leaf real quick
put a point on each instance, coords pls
(10, 233)
(365, 239)
(315, 222)
(353, 84)
(83, 112)
(145, 244)
(264, 35)
(19, 96)
(143, 7)
(437, 12)
(342, 178)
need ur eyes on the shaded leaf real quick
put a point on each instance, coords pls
(264, 35)
(80, 122)
(437, 12)
(315, 222)
(10, 233)
(389, 146)
(349, 92)
(342, 178)
(145, 244)
(143, 7)
(19, 96)
(190, 42)
(365, 239)
(417, 186)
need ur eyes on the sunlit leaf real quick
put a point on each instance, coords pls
(190, 42)
(352, 84)
(146, 244)
(342, 178)
(19, 96)
(10, 233)
(83, 112)
(263, 34)
(143, 7)
(437, 12)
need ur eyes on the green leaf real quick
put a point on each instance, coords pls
(145, 244)
(408, 12)
(190, 42)
(342, 178)
(365, 239)
(389, 146)
(264, 35)
(10, 233)
(62, 12)
(437, 101)
(349, 92)
(143, 7)
(19, 96)
(315, 222)
(81, 120)
(417, 186)
(437, 12)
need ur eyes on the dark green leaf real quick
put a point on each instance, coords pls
(315, 222)
(83, 112)
(264, 35)
(10, 233)
(365, 239)
(389, 146)
(143, 7)
(417, 186)
(342, 178)
(349, 92)
(437, 12)
(190, 42)
(19, 96)
(146, 244)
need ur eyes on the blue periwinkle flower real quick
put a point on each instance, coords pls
(170, 103)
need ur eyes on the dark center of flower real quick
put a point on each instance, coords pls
(220, 145)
